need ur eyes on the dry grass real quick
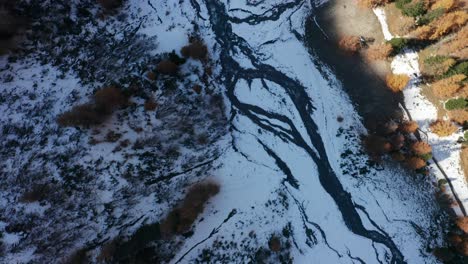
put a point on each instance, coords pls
(350, 44)
(443, 128)
(464, 161)
(379, 52)
(462, 223)
(397, 82)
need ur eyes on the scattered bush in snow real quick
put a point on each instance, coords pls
(421, 148)
(377, 145)
(462, 223)
(167, 67)
(37, 193)
(196, 50)
(150, 104)
(415, 163)
(181, 218)
(448, 87)
(105, 101)
(443, 128)
(274, 244)
(110, 4)
(379, 52)
(409, 126)
(350, 44)
(397, 82)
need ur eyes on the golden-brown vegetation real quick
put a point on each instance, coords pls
(456, 46)
(459, 116)
(379, 52)
(462, 223)
(448, 87)
(397, 82)
(443, 128)
(350, 44)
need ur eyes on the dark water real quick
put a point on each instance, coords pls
(230, 44)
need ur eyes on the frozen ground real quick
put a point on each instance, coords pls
(287, 166)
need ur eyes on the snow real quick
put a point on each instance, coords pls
(445, 149)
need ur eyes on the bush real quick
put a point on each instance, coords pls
(397, 82)
(167, 67)
(150, 105)
(443, 5)
(398, 44)
(421, 148)
(460, 68)
(379, 52)
(38, 192)
(109, 99)
(448, 87)
(448, 23)
(110, 4)
(443, 128)
(414, 9)
(437, 65)
(105, 101)
(459, 116)
(415, 163)
(459, 103)
(196, 50)
(81, 115)
(409, 127)
(431, 16)
(400, 4)
(274, 244)
(462, 223)
(377, 145)
(181, 218)
(372, 3)
(350, 44)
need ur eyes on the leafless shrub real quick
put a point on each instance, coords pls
(196, 50)
(167, 67)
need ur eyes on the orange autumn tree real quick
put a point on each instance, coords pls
(443, 128)
(379, 51)
(397, 82)
(350, 44)
(447, 87)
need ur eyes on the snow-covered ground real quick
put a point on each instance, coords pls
(446, 150)
(287, 167)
